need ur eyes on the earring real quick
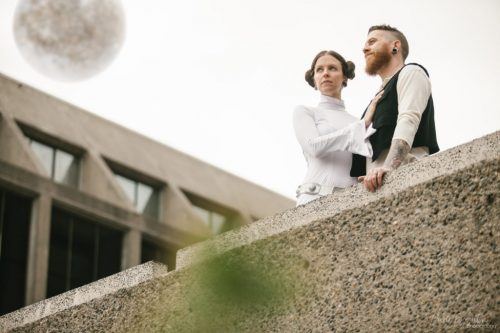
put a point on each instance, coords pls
(394, 50)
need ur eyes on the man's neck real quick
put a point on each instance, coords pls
(391, 69)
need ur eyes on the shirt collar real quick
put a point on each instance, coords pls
(385, 80)
(331, 103)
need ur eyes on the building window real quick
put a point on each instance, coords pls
(62, 166)
(217, 217)
(81, 251)
(153, 251)
(144, 197)
(15, 213)
(213, 220)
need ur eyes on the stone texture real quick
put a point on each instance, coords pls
(75, 297)
(421, 255)
(444, 163)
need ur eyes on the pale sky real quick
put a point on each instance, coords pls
(218, 79)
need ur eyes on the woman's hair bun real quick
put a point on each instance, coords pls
(350, 70)
(310, 77)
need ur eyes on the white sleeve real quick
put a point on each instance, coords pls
(353, 138)
(414, 89)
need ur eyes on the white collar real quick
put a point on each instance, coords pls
(385, 80)
(331, 103)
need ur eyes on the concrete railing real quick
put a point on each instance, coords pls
(419, 255)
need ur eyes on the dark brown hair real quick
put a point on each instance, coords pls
(347, 67)
(405, 48)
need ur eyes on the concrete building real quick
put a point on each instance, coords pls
(82, 198)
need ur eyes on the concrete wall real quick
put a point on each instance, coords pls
(419, 255)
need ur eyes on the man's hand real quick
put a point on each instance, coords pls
(397, 154)
(374, 178)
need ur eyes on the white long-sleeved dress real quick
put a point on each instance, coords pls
(329, 136)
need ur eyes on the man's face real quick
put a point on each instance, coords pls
(377, 50)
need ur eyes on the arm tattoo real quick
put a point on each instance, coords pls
(397, 154)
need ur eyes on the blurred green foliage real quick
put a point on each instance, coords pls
(227, 292)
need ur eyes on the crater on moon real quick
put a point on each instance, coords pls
(69, 40)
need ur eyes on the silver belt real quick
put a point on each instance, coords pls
(315, 188)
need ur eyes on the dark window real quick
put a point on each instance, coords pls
(81, 251)
(61, 166)
(144, 197)
(152, 251)
(15, 212)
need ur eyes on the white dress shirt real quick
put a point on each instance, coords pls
(328, 136)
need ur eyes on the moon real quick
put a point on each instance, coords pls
(69, 40)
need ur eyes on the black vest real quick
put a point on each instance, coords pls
(384, 121)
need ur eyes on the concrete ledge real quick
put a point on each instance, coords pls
(108, 285)
(421, 255)
(422, 260)
(447, 162)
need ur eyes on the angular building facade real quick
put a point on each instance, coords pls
(82, 198)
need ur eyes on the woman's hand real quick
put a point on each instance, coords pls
(371, 109)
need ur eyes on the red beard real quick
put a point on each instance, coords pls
(376, 61)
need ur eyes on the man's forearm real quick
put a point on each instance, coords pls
(397, 154)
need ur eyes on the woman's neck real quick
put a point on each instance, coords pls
(331, 101)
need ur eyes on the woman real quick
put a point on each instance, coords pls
(327, 134)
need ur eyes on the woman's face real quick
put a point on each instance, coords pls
(328, 76)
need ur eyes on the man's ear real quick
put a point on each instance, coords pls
(397, 44)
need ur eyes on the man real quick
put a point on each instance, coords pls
(404, 117)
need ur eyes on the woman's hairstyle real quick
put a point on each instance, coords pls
(347, 67)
